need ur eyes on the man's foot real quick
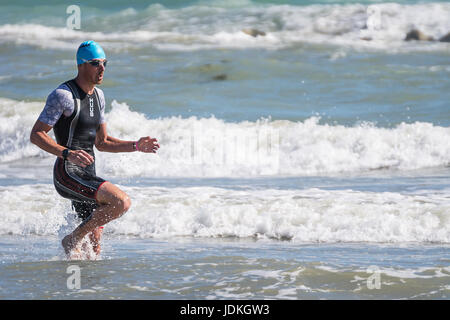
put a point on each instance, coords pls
(96, 248)
(88, 248)
(87, 252)
(67, 244)
(70, 247)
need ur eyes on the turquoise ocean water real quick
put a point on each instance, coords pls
(299, 163)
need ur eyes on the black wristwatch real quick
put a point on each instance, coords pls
(65, 154)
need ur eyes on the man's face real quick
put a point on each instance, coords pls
(94, 73)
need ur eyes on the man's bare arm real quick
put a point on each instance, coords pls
(106, 143)
(39, 136)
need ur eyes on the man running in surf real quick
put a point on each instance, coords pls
(75, 110)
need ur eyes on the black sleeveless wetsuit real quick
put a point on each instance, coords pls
(78, 132)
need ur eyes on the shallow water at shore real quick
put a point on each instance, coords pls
(186, 268)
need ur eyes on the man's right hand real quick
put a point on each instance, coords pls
(80, 157)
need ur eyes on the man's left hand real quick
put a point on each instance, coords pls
(147, 145)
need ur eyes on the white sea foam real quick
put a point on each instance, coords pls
(17, 119)
(381, 26)
(418, 273)
(211, 147)
(295, 215)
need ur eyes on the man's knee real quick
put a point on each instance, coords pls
(120, 206)
(124, 203)
(112, 195)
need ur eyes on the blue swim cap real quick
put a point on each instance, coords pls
(89, 50)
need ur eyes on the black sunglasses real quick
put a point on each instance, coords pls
(96, 63)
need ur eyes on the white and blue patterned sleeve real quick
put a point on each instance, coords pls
(59, 102)
(101, 97)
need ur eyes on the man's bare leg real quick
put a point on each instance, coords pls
(113, 203)
(95, 237)
(91, 248)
